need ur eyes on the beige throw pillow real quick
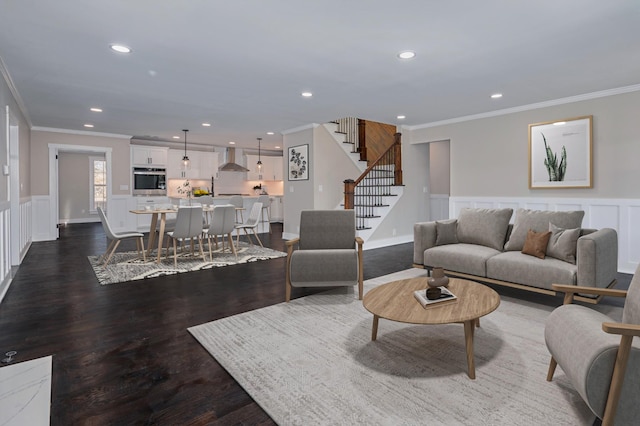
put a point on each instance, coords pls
(562, 243)
(446, 232)
(536, 243)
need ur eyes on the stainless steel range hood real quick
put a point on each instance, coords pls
(231, 165)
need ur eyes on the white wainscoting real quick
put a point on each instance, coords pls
(26, 226)
(623, 215)
(439, 206)
(5, 254)
(41, 211)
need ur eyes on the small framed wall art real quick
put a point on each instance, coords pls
(561, 154)
(299, 162)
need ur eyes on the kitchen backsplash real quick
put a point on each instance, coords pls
(227, 183)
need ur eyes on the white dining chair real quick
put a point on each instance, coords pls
(251, 223)
(238, 202)
(116, 237)
(223, 222)
(188, 228)
(266, 209)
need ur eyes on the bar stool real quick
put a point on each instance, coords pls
(266, 207)
(238, 202)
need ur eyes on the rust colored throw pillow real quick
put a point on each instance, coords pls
(536, 243)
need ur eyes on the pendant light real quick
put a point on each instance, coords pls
(186, 163)
(259, 160)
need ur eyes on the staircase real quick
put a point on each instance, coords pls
(375, 192)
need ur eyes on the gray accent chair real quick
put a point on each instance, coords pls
(329, 253)
(597, 354)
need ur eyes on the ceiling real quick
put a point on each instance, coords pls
(242, 65)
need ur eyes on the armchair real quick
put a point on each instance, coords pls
(597, 354)
(329, 253)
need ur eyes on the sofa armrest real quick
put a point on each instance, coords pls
(597, 258)
(424, 237)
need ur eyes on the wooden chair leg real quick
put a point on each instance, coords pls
(113, 250)
(616, 380)
(210, 252)
(107, 251)
(552, 369)
(201, 251)
(175, 253)
(233, 248)
(144, 254)
(257, 238)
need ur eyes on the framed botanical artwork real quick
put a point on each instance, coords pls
(299, 162)
(561, 154)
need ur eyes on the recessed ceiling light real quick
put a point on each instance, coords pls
(270, 133)
(407, 54)
(96, 109)
(176, 137)
(232, 143)
(559, 123)
(120, 48)
(307, 94)
(206, 124)
(401, 117)
(496, 95)
(88, 125)
(277, 147)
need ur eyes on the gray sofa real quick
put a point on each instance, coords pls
(482, 245)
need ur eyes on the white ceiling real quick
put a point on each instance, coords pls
(241, 65)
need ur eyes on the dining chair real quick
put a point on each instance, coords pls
(251, 223)
(266, 208)
(223, 222)
(188, 227)
(238, 202)
(116, 237)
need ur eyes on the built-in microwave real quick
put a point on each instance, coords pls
(149, 181)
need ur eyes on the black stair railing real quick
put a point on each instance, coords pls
(368, 192)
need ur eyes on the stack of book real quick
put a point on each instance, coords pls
(445, 296)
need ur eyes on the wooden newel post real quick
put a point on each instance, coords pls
(349, 191)
(397, 155)
(362, 139)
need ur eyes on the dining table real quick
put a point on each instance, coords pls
(161, 213)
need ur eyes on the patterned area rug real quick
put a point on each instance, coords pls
(128, 266)
(312, 361)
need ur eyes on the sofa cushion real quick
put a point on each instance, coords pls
(446, 232)
(487, 227)
(461, 257)
(513, 266)
(563, 242)
(538, 220)
(536, 243)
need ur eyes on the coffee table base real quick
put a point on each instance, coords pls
(469, 332)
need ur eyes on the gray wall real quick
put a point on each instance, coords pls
(298, 195)
(439, 168)
(490, 156)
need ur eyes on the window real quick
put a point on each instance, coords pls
(98, 185)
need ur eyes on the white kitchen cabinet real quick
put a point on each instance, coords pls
(204, 165)
(271, 168)
(148, 156)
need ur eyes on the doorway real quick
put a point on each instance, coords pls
(55, 150)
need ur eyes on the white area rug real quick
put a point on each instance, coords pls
(25, 393)
(128, 266)
(312, 361)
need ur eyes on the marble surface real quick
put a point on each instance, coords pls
(25, 393)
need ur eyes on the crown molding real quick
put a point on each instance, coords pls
(80, 132)
(299, 129)
(14, 92)
(545, 104)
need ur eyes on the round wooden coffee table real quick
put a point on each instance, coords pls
(395, 301)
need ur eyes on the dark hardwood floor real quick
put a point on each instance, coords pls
(122, 354)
